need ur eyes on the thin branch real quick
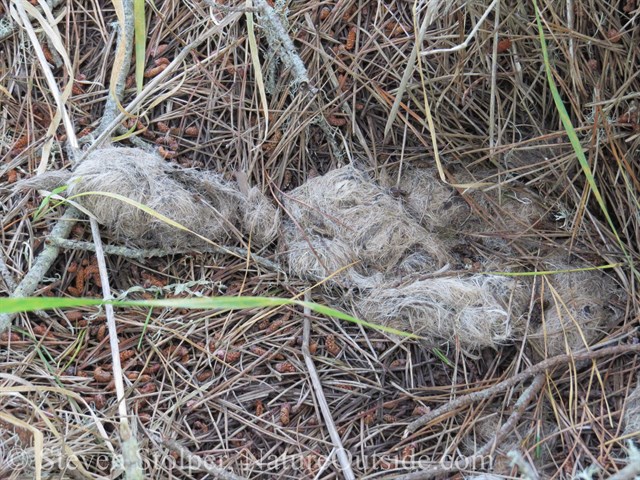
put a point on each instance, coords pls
(510, 382)
(506, 428)
(139, 254)
(518, 409)
(281, 43)
(277, 37)
(6, 274)
(125, 45)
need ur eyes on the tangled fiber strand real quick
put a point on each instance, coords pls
(426, 198)
(260, 218)
(316, 256)
(504, 219)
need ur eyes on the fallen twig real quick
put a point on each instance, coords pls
(281, 43)
(139, 254)
(6, 274)
(518, 409)
(530, 372)
(125, 46)
(506, 428)
(277, 37)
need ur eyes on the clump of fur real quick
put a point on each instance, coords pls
(631, 419)
(260, 218)
(426, 197)
(382, 246)
(316, 257)
(202, 202)
(478, 311)
(344, 217)
(577, 310)
(503, 220)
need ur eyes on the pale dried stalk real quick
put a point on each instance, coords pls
(341, 453)
(8, 27)
(130, 448)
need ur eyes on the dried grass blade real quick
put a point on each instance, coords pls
(60, 98)
(554, 272)
(408, 72)
(38, 440)
(120, 58)
(255, 60)
(140, 29)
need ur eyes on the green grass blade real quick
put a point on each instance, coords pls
(140, 31)
(46, 200)
(255, 60)
(438, 353)
(30, 304)
(573, 137)
(147, 320)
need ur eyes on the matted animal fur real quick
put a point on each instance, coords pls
(343, 217)
(578, 309)
(203, 202)
(387, 252)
